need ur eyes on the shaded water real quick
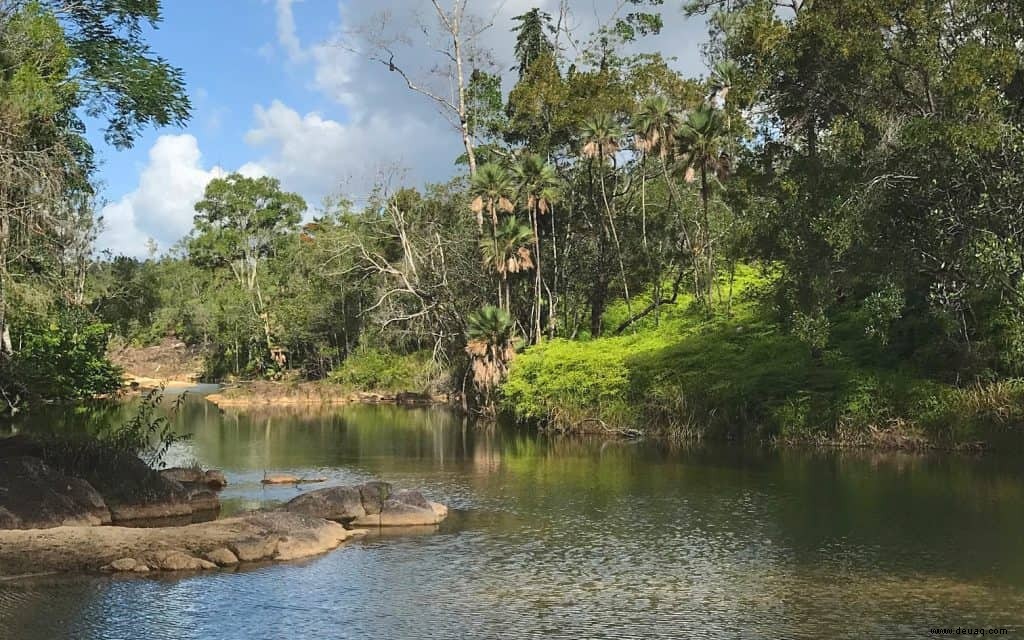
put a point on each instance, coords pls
(569, 538)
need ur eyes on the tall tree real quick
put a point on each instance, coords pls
(537, 184)
(240, 222)
(492, 192)
(533, 31)
(446, 83)
(703, 142)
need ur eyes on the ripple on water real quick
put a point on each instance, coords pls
(559, 538)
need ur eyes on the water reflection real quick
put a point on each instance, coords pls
(561, 537)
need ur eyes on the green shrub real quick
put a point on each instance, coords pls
(59, 359)
(381, 371)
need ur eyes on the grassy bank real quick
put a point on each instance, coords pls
(740, 374)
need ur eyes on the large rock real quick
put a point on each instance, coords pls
(342, 504)
(81, 471)
(372, 504)
(35, 496)
(215, 479)
(185, 475)
(259, 537)
(405, 509)
(178, 505)
(373, 495)
(193, 477)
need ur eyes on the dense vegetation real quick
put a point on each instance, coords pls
(819, 241)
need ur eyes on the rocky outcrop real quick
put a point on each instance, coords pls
(372, 504)
(68, 483)
(35, 496)
(258, 537)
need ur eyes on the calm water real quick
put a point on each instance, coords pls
(564, 538)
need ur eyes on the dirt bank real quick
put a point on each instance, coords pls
(171, 363)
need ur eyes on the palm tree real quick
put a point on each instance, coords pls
(702, 142)
(538, 188)
(601, 135)
(508, 252)
(491, 189)
(491, 347)
(723, 78)
(654, 126)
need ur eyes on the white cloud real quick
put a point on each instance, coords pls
(317, 156)
(381, 124)
(161, 207)
(287, 35)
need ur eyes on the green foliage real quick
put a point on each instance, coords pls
(240, 220)
(121, 78)
(490, 324)
(149, 433)
(696, 377)
(533, 38)
(375, 370)
(61, 62)
(61, 358)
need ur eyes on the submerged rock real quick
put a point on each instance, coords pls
(270, 536)
(281, 478)
(35, 496)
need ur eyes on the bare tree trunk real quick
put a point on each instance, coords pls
(538, 332)
(618, 248)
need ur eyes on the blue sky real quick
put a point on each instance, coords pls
(273, 93)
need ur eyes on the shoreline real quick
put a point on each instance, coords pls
(269, 394)
(225, 543)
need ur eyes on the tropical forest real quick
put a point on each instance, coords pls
(684, 311)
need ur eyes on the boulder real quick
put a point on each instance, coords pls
(341, 504)
(254, 549)
(373, 495)
(215, 479)
(185, 475)
(372, 504)
(181, 561)
(124, 564)
(184, 507)
(222, 557)
(193, 477)
(35, 496)
(404, 509)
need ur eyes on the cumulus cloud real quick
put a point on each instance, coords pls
(317, 156)
(162, 207)
(386, 124)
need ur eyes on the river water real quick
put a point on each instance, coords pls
(553, 537)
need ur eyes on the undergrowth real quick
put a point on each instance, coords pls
(739, 374)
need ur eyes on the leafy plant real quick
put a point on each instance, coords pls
(149, 434)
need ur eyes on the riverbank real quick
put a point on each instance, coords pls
(739, 374)
(263, 393)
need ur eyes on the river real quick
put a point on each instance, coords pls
(554, 537)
